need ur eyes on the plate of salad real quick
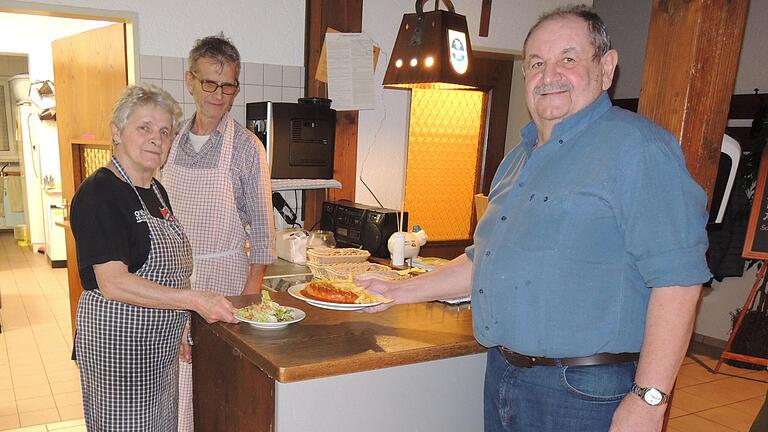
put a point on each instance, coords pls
(268, 314)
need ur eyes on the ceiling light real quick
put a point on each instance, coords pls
(440, 38)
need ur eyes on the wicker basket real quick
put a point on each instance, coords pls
(328, 256)
(318, 271)
(349, 271)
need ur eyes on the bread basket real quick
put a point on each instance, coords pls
(329, 256)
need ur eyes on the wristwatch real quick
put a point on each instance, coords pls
(650, 395)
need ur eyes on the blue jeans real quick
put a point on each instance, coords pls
(553, 398)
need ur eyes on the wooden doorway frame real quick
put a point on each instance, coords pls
(130, 19)
(69, 177)
(494, 74)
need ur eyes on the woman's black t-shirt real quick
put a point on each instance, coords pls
(109, 224)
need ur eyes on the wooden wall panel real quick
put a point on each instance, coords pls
(344, 16)
(687, 85)
(494, 75)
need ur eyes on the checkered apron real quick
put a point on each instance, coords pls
(204, 202)
(128, 354)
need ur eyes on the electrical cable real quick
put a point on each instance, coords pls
(296, 200)
(384, 56)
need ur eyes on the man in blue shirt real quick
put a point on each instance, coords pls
(587, 266)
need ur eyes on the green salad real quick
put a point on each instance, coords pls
(267, 311)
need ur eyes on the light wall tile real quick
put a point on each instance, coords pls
(240, 98)
(151, 67)
(175, 88)
(188, 109)
(153, 81)
(291, 94)
(253, 73)
(188, 98)
(303, 76)
(291, 76)
(238, 113)
(272, 93)
(172, 68)
(253, 93)
(273, 75)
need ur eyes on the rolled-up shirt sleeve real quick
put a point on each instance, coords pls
(254, 202)
(663, 215)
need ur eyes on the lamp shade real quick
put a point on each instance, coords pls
(432, 51)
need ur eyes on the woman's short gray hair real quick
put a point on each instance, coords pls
(217, 48)
(145, 94)
(598, 35)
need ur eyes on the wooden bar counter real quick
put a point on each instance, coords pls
(409, 368)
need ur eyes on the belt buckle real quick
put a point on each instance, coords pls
(531, 361)
(517, 359)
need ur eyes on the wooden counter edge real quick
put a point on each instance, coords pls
(342, 366)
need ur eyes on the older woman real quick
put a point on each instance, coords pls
(134, 262)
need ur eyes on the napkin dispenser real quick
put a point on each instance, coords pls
(292, 245)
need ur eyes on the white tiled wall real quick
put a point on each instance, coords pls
(258, 82)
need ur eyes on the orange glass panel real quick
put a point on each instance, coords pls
(95, 158)
(443, 143)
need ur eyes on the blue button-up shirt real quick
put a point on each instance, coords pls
(578, 229)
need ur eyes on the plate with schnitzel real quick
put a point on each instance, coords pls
(336, 294)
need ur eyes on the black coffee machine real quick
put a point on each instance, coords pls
(299, 137)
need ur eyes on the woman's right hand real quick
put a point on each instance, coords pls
(214, 307)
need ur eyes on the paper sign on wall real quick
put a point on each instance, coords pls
(321, 74)
(350, 70)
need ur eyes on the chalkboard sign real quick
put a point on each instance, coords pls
(756, 242)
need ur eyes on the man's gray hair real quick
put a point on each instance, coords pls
(217, 48)
(598, 35)
(141, 95)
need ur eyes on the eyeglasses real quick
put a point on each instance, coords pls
(209, 86)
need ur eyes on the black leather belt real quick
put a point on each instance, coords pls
(521, 360)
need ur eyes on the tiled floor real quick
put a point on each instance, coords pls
(39, 384)
(40, 391)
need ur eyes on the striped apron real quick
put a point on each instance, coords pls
(128, 355)
(204, 202)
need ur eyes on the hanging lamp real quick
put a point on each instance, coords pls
(432, 51)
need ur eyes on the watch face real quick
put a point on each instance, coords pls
(653, 396)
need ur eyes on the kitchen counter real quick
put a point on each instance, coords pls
(411, 367)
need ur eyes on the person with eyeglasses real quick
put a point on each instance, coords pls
(218, 181)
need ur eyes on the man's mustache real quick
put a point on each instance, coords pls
(548, 88)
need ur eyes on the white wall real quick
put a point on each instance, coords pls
(32, 35)
(627, 22)
(264, 31)
(383, 132)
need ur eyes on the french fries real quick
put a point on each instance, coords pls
(363, 296)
